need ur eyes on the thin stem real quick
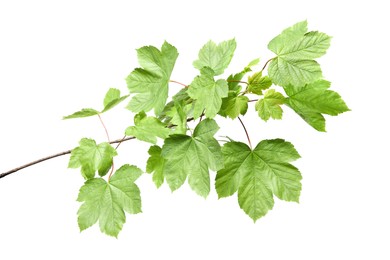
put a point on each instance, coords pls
(246, 132)
(239, 81)
(253, 100)
(108, 138)
(177, 82)
(201, 116)
(123, 138)
(265, 65)
(105, 128)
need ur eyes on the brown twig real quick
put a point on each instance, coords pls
(118, 141)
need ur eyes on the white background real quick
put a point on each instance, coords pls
(59, 56)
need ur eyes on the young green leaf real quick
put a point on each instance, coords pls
(234, 79)
(258, 174)
(234, 105)
(85, 112)
(310, 101)
(178, 117)
(111, 99)
(150, 83)
(269, 106)
(148, 128)
(296, 50)
(258, 83)
(92, 157)
(107, 202)
(192, 157)
(216, 57)
(156, 165)
(207, 93)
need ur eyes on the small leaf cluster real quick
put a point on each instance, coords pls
(178, 153)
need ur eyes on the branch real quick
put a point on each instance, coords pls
(118, 141)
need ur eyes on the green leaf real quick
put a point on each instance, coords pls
(112, 98)
(178, 117)
(150, 83)
(216, 57)
(258, 83)
(92, 157)
(192, 157)
(269, 106)
(148, 128)
(156, 165)
(108, 202)
(234, 105)
(296, 50)
(207, 93)
(312, 100)
(296, 72)
(85, 112)
(258, 174)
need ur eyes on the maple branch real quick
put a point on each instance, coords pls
(54, 156)
(118, 141)
(253, 100)
(246, 132)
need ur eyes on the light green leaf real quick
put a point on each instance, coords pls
(216, 57)
(207, 93)
(112, 98)
(192, 157)
(150, 83)
(296, 50)
(155, 165)
(92, 157)
(85, 112)
(292, 33)
(258, 174)
(148, 128)
(269, 106)
(312, 100)
(108, 202)
(258, 83)
(296, 72)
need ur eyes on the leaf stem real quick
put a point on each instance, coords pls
(104, 126)
(108, 138)
(265, 65)
(239, 81)
(246, 132)
(177, 82)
